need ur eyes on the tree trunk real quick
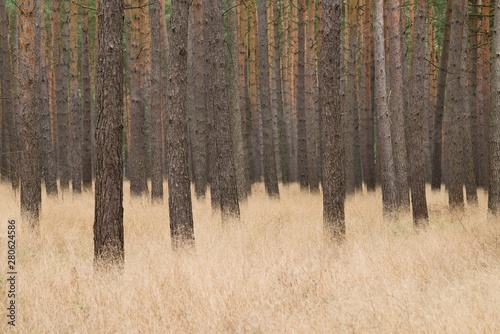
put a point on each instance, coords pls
(180, 207)
(270, 175)
(15, 146)
(217, 102)
(416, 133)
(438, 114)
(494, 183)
(331, 122)
(86, 104)
(385, 152)
(108, 221)
(155, 103)
(30, 178)
(454, 119)
(75, 106)
(301, 111)
(396, 103)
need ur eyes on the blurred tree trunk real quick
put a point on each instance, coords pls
(438, 114)
(15, 145)
(366, 118)
(108, 221)
(30, 167)
(396, 103)
(494, 183)
(416, 126)
(453, 119)
(301, 110)
(217, 102)
(75, 105)
(180, 207)
(331, 122)
(86, 103)
(137, 168)
(155, 103)
(270, 174)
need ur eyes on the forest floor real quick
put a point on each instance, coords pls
(270, 274)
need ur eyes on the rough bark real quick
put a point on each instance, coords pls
(439, 111)
(180, 207)
(416, 119)
(155, 103)
(30, 167)
(217, 103)
(16, 106)
(396, 103)
(270, 174)
(108, 221)
(494, 182)
(331, 122)
(302, 156)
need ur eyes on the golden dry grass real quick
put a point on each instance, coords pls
(270, 274)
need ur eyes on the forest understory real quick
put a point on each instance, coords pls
(270, 273)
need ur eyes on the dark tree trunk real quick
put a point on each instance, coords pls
(30, 167)
(155, 103)
(494, 183)
(108, 222)
(180, 208)
(331, 123)
(301, 110)
(384, 138)
(416, 143)
(438, 114)
(270, 174)
(87, 105)
(218, 106)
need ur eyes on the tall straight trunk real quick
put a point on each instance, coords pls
(494, 182)
(155, 103)
(453, 107)
(301, 110)
(108, 219)
(283, 142)
(287, 107)
(75, 104)
(367, 128)
(311, 98)
(164, 80)
(416, 143)
(384, 138)
(431, 91)
(180, 207)
(198, 121)
(217, 102)
(138, 154)
(438, 113)
(396, 103)
(41, 103)
(351, 99)
(30, 177)
(270, 174)
(15, 146)
(331, 122)
(8, 131)
(235, 102)
(86, 103)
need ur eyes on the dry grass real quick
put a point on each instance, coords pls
(270, 274)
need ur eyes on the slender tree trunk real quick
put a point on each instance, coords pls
(108, 221)
(15, 146)
(75, 105)
(86, 104)
(30, 178)
(438, 114)
(494, 183)
(270, 174)
(453, 108)
(396, 103)
(331, 122)
(301, 110)
(416, 143)
(385, 152)
(180, 207)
